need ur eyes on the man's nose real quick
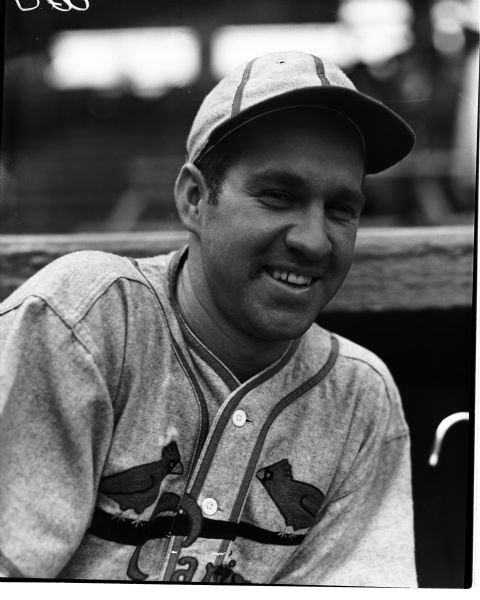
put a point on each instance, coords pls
(309, 235)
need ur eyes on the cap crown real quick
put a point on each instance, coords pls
(261, 79)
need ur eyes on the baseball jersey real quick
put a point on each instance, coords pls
(128, 451)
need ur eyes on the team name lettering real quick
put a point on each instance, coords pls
(213, 574)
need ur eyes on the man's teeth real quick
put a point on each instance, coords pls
(290, 277)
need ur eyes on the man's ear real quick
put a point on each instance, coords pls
(190, 195)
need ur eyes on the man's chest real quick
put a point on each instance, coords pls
(203, 483)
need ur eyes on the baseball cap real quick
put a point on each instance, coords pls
(281, 80)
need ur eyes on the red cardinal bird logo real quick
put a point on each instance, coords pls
(138, 487)
(297, 501)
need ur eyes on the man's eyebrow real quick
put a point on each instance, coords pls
(288, 178)
(354, 196)
(281, 176)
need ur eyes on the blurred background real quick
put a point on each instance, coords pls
(98, 102)
(97, 105)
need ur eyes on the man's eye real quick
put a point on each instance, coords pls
(343, 210)
(275, 199)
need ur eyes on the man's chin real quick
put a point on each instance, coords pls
(283, 330)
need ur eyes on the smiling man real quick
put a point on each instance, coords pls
(182, 418)
(277, 241)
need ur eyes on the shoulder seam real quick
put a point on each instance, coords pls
(103, 291)
(396, 436)
(400, 433)
(362, 360)
(69, 328)
(381, 375)
(361, 483)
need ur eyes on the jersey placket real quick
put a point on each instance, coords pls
(226, 467)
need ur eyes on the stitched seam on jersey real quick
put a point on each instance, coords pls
(401, 432)
(278, 408)
(237, 100)
(227, 413)
(173, 558)
(18, 303)
(362, 481)
(70, 328)
(199, 394)
(83, 312)
(9, 566)
(103, 285)
(174, 552)
(124, 353)
(397, 436)
(100, 293)
(375, 370)
(38, 297)
(212, 361)
(203, 469)
(188, 372)
(220, 369)
(347, 356)
(320, 68)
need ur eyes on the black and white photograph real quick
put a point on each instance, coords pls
(237, 294)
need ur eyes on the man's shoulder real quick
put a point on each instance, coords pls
(354, 358)
(71, 284)
(366, 380)
(355, 353)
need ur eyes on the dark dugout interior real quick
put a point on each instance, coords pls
(431, 356)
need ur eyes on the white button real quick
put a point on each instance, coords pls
(209, 506)
(239, 418)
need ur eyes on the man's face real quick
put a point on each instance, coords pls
(275, 248)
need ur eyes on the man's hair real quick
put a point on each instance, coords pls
(213, 166)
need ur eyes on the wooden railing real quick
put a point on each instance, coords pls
(394, 268)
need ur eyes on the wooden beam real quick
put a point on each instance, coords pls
(409, 269)
(394, 268)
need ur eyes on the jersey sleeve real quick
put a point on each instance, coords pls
(364, 536)
(56, 422)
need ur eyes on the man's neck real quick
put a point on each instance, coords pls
(243, 355)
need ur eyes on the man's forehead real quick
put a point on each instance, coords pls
(315, 124)
(308, 139)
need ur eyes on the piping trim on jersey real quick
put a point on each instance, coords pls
(10, 567)
(225, 416)
(237, 100)
(215, 364)
(277, 409)
(175, 543)
(175, 547)
(190, 376)
(320, 67)
(174, 551)
(203, 352)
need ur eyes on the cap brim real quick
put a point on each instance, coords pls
(388, 138)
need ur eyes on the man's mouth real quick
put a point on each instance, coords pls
(294, 279)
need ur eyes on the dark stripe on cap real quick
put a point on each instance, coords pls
(320, 70)
(237, 100)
